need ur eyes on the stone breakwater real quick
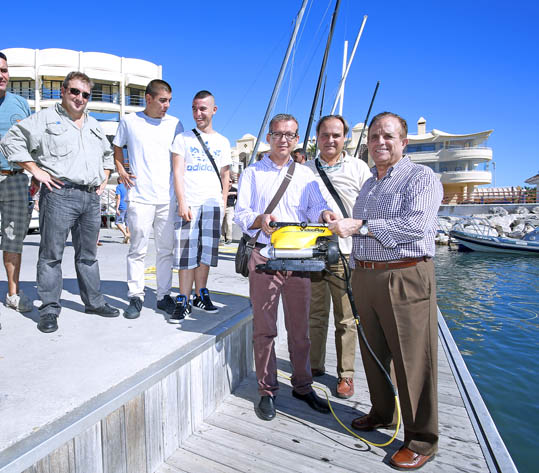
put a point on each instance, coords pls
(498, 222)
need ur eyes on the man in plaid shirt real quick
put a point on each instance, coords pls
(393, 229)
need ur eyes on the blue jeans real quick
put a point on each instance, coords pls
(61, 211)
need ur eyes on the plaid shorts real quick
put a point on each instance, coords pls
(197, 241)
(15, 211)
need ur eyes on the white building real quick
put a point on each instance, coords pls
(37, 75)
(460, 161)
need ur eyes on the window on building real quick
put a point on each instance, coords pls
(105, 93)
(135, 96)
(24, 88)
(50, 89)
(421, 147)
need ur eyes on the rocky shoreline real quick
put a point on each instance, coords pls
(497, 222)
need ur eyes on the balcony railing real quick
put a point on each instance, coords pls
(28, 94)
(515, 196)
(135, 100)
(50, 94)
(99, 96)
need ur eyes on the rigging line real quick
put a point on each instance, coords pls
(303, 76)
(321, 36)
(293, 61)
(290, 76)
(257, 77)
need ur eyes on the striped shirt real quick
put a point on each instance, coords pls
(400, 210)
(259, 182)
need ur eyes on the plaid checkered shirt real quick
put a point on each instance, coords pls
(401, 210)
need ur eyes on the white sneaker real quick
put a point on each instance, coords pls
(19, 302)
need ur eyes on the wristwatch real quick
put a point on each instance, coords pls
(364, 229)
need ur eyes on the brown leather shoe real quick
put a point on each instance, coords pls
(317, 373)
(367, 423)
(345, 388)
(406, 459)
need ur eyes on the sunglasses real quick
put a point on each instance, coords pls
(85, 95)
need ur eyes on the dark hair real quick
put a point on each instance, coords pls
(402, 121)
(155, 86)
(202, 94)
(300, 151)
(282, 117)
(77, 75)
(3, 56)
(329, 117)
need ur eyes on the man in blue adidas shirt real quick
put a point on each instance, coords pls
(13, 195)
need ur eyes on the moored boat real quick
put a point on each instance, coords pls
(476, 234)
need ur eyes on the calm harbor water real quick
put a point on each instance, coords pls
(491, 305)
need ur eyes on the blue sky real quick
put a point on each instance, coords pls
(464, 66)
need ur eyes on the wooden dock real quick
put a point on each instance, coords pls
(102, 396)
(301, 440)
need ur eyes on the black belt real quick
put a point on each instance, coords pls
(11, 172)
(72, 185)
(404, 263)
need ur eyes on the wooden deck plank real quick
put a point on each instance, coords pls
(188, 462)
(300, 439)
(324, 428)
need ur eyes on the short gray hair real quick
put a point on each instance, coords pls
(282, 117)
(77, 75)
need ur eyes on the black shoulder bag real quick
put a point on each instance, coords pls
(331, 188)
(210, 157)
(247, 243)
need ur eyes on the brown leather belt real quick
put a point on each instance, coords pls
(9, 172)
(405, 263)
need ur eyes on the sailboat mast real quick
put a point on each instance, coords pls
(321, 75)
(279, 79)
(367, 118)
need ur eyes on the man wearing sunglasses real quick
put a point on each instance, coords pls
(68, 153)
(13, 195)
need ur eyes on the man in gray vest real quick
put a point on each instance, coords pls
(68, 153)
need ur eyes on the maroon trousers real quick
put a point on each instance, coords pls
(265, 290)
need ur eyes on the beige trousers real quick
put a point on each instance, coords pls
(324, 289)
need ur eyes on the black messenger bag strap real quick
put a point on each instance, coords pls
(331, 188)
(276, 199)
(210, 157)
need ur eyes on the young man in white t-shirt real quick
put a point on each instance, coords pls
(148, 136)
(201, 190)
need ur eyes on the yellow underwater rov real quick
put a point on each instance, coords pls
(300, 247)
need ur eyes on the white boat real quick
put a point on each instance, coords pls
(477, 234)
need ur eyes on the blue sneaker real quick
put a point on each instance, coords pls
(182, 309)
(203, 302)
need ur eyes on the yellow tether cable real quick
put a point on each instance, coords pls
(282, 375)
(351, 432)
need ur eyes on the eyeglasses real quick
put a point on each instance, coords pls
(77, 92)
(278, 135)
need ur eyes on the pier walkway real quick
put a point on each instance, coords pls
(302, 440)
(140, 396)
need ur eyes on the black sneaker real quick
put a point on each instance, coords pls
(47, 323)
(134, 308)
(204, 302)
(181, 310)
(167, 304)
